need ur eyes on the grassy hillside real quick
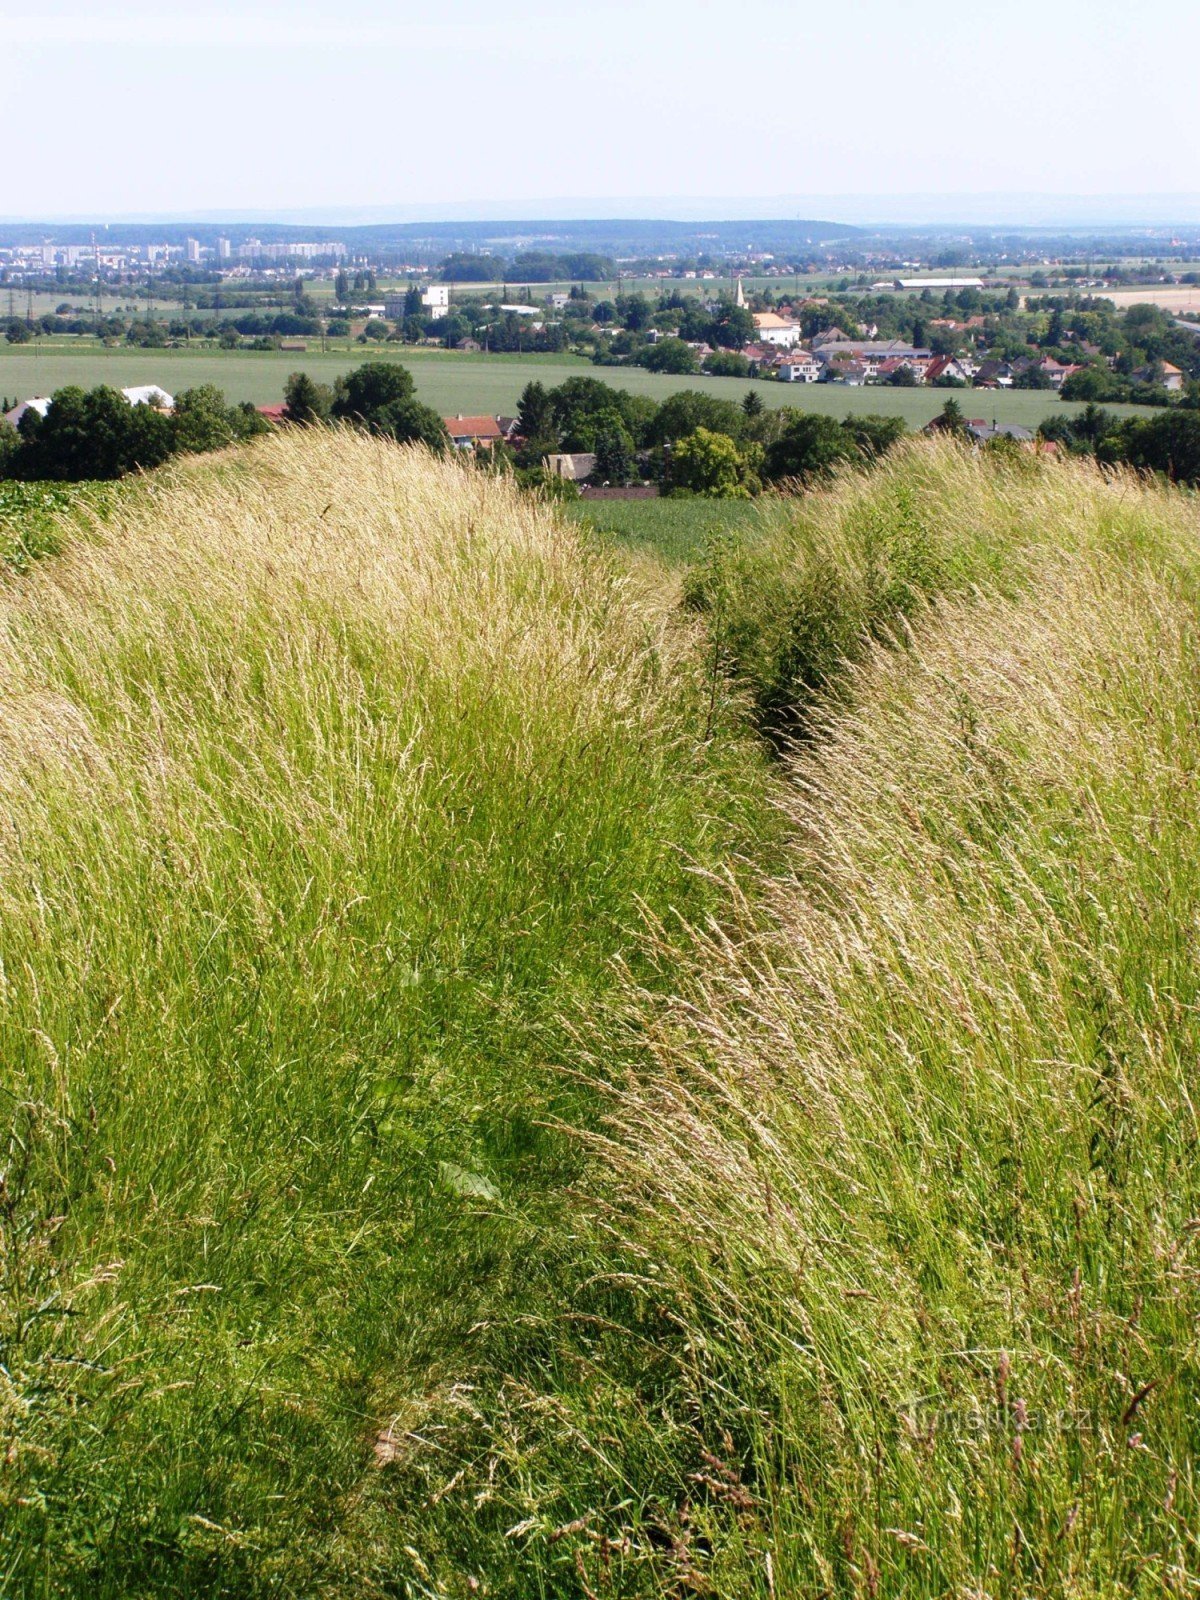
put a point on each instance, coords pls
(904, 1176)
(477, 1124)
(331, 780)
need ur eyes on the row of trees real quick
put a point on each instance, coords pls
(97, 433)
(694, 442)
(379, 396)
(1168, 443)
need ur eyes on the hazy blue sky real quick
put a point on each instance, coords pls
(270, 106)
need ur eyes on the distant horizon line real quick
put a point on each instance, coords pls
(913, 212)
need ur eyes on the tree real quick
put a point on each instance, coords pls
(690, 409)
(727, 364)
(91, 435)
(634, 311)
(614, 455)
(307, 401)
(732, 327)
(535, 413)
(359, 396)
(454, 329)
(809, 448)
(670, 355)
(874, 436)
(1092, 383)
(951, 420)
(462, 267)
(410, 422)
(10, 448)
(1168, 443)
(752, 405)
(712, 465)
(580, 403)
(201, 420)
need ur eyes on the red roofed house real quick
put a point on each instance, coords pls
(1056, 371)
(944, 367)
(273, 414)
(466, 433)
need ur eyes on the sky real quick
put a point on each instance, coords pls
(868, 110)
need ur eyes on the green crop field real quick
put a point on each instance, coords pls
(471, 383)
(676, 530)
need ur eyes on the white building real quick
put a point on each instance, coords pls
(801, 366)
(436, 299)
(146, 394)
(771, 328)
(149, 394)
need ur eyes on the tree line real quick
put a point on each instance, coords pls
(97, 434)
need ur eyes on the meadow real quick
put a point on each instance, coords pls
(479, 1119)
(473, 383)
(674, 531)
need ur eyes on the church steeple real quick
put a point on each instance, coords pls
(739, 298)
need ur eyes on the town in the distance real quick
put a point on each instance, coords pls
(264, 326)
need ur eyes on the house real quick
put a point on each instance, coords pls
(832, 335)
(436, 299)
(560, 301)
(1057, 371)
(466, 433)
(771, 328)
(980, 430)
(887, 369)
(994, 375)
(147, 394)
(945, 367)
(873, 353)
(845, 370)
(1172, 376)
(576, 467)
(800, 366)
(40, 404)
(277, 415)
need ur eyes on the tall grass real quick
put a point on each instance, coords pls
(331, 778)
(832, 572)
(449, 1152)
(904, 1180)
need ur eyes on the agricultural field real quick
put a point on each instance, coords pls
(1179, 298)
(676, 531)
(473, 383)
